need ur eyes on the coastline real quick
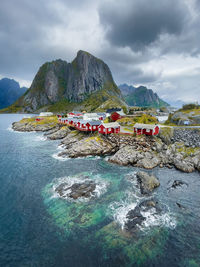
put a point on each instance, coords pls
(145, 152)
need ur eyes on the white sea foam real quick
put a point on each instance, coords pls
(61, 147)
(155, 219)
(40, 138)
(10, 129)
(119, 211)
(56, 156)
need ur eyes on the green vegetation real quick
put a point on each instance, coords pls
(130, 121)
(52, 120)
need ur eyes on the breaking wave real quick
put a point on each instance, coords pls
(40, 138)
(57, 157)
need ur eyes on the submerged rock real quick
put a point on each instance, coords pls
(178, 183)
(147, 182)
(77, 190)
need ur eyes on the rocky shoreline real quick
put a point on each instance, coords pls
(170, 149)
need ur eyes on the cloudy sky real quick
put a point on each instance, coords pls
(150, 42)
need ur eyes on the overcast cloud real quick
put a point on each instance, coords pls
(153, 43)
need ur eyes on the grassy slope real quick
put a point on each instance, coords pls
(130, 121)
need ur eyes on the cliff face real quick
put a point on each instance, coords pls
(141, 96)
(10, 91)
(73, 82)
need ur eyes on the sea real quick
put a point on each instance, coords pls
(38, 228)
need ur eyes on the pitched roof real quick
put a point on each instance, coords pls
(110, 110)
(94, 122)
(111, 125)
(145, 126)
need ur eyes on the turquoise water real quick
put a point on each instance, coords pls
(37, 228)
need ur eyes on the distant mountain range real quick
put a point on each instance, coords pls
(141, 96)
(10, 91)
(86, 83)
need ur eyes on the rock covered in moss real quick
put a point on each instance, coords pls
(94, 146)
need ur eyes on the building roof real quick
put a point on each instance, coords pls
(121, 112)
(111, 125)
(101, 114)
(145, 126)
(94, 122)
(113, 110)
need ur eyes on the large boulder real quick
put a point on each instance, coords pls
(148, 163)
(166, 134)
(147, 182)
(184, 165)
(60, 134)
(125, 156)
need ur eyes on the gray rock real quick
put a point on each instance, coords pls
(149, 163)
(147, 182)
(60, 134)
(184, 165)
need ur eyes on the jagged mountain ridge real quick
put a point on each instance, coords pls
(141, 96)
(10, 91)
(73, 82)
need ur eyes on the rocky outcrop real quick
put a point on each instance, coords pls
(147, 182)
(178, 183)
(74, 82)
(135, 218)
(94, 145)
(77, 190)
(30, 127)
(59, 134)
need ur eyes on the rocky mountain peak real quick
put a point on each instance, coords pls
(74, 82)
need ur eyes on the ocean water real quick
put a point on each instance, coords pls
(37, 228)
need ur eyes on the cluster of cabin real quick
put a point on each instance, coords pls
(91, 122)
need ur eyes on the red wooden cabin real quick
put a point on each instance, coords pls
(108, 128)
(146, 129)
(39, 119)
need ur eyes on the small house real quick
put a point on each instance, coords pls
(117, 115)
(63, 120)
(108, 128)
(93, 126)
(91, 116)
(147, 129)
(74, 114)
(39, 119)
(46, 114)
(111, 110)
(101, 116)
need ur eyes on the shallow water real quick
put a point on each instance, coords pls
(37, 228)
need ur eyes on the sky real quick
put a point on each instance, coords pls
(144, 42)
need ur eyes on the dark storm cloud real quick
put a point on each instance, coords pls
(26, 39)
(140, 23)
